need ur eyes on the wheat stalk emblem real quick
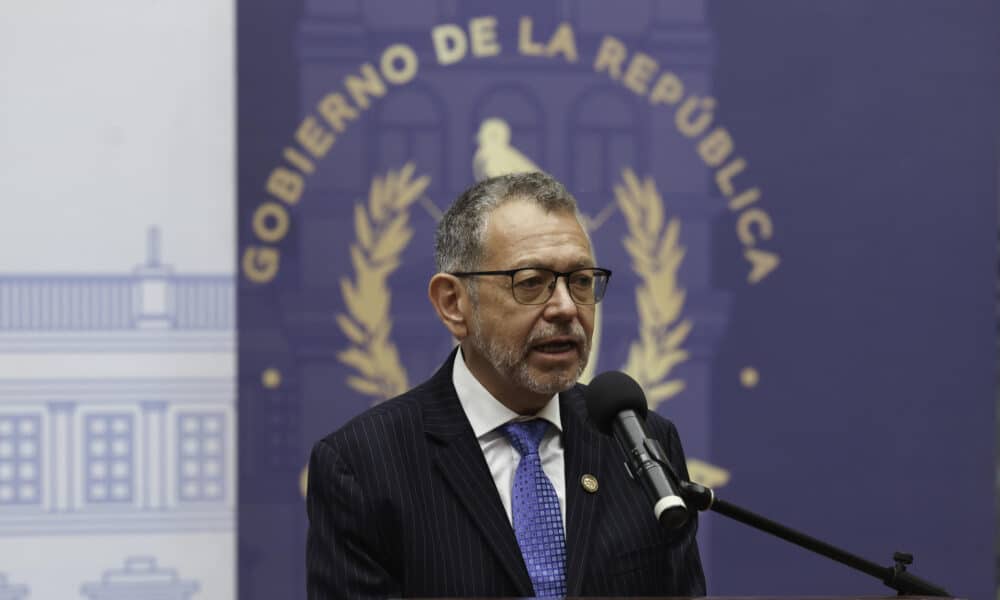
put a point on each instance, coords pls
(382, 233)
(652, 243)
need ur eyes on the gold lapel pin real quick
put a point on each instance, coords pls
(589, 483)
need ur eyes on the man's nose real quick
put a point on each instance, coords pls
(560, 306)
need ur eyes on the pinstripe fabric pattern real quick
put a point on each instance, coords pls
(401, 503)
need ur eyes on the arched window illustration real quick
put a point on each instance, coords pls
(605, 136)
(20, 460)
(411, 126)
(520, 109)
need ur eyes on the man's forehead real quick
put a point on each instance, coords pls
(529, 235)
(524, 211)
(550, 262)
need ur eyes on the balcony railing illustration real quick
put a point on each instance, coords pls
(122, 302)
(152, 296)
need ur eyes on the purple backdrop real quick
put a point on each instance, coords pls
(840, 380)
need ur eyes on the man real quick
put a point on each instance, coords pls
(486, 480)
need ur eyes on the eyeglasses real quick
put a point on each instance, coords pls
(535, 285)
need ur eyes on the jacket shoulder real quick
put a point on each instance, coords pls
(378, 427)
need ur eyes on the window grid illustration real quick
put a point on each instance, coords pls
(20, 460)
(109, 474)
(200, 474)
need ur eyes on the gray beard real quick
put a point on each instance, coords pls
(514, 365)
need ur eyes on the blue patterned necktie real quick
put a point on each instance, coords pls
(535, 509)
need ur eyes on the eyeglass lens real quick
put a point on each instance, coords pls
(536, 286)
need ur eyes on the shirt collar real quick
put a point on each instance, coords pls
(486, 413)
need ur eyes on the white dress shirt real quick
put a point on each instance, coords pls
(486, 414)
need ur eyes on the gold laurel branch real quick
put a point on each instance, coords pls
(707, 474)
(382, 233)
(652, 244)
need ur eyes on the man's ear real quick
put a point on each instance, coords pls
(452, 303)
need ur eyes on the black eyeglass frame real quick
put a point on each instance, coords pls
(552, 287)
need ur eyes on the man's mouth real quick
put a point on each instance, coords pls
(555, 346)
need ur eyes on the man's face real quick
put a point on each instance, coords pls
(523, 353)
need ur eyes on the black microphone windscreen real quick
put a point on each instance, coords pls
(609, 394)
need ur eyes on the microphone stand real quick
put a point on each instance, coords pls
(699, 497)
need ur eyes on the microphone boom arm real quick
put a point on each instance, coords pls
(699, 497)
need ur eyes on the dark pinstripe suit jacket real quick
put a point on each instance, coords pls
(401, 503)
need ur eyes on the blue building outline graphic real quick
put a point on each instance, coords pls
(12, 591)
(85, 452)
(140, 577)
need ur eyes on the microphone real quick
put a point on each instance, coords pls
(617, 406)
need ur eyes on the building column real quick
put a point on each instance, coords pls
(153, 457)
(62, 459)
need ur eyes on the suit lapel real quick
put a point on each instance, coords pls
(457, 455)
(582, 455)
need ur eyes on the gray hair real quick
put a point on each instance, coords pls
(458, 241)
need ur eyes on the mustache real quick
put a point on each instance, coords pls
(572, 330)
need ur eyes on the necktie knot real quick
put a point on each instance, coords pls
(525, 436)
